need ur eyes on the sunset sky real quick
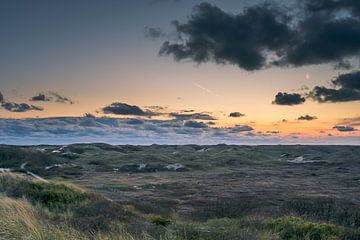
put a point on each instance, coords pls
(180, 71)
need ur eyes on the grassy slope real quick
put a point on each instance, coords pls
(58, 210)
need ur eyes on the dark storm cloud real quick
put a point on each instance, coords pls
(324, 41)
(345, 129)
(20, 107)
(125, 109)
(194, 124)
(325, 34)
(214, 35)
(346, 87)
(306, 118)
(265, 35)
(236, 114)
(192, 116)
(343, 65)
(283, 98)
(331, 6)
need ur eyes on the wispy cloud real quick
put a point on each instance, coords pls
(205, 89)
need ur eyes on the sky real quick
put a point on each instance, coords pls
(180, 71)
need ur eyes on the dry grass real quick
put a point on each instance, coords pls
(20, 220)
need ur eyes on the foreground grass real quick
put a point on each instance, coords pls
(35, 210)
(19, 220)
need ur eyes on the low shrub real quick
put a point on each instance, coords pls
(159, 220)
(56, 197)
(294, 228)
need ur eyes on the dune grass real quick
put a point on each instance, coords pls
(56, 197)
(19, 220)
(34, 210)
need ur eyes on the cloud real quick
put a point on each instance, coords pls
(134, 121)
(156, 108)
(355, 121)
(214, 35)
(211, 123)
(307, 118)
(125, 109)
(265, 35)
(89, 115)
(154, 32)
(346, 87)
(40, 97)
(61, 99)
(273, 132)
(20, 107)
(17, 107)
(236, 114)
(324, 41)
(345, 129)
(192, 116)
(241, 128)
(51, 97)
(283, 98)
(343, 65)
(205, 89)
(343, 88)
(333, 6)
(194, 124)
(67, 130)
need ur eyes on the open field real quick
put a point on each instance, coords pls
(233, 192)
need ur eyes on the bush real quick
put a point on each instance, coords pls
(56, 197)
(294, 228)
(158, 220)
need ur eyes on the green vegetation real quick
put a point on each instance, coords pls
(53, 196)
(97, 192)
(62, 211)
(294, 228)
(158, 220)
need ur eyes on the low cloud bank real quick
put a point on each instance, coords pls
(66, 130)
